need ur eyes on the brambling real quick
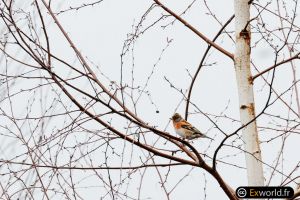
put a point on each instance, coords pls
(185, 129)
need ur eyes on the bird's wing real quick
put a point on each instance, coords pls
(195, 132)
(188, 126)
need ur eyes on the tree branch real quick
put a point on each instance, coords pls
(202, 36)
(201, 64)
(277, 65)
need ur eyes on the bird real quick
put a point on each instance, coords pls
(185, 129)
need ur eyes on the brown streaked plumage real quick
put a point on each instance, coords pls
(185, 129)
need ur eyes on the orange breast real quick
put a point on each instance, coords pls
(177, 125)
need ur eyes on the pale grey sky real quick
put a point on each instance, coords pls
(99, 33)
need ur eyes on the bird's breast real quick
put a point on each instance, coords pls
(180, 131)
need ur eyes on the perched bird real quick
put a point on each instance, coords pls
(185, 129)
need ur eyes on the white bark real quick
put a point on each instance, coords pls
(245, 91)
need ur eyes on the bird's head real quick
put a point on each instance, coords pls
(176, 117)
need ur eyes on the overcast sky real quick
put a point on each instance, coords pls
(171, 51)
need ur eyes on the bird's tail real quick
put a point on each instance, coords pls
(204, 136)
(199, 136)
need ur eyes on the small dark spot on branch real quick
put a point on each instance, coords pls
(243, 107)
(245, 34)
(250, 80)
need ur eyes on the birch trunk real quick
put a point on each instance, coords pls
(245, 91)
